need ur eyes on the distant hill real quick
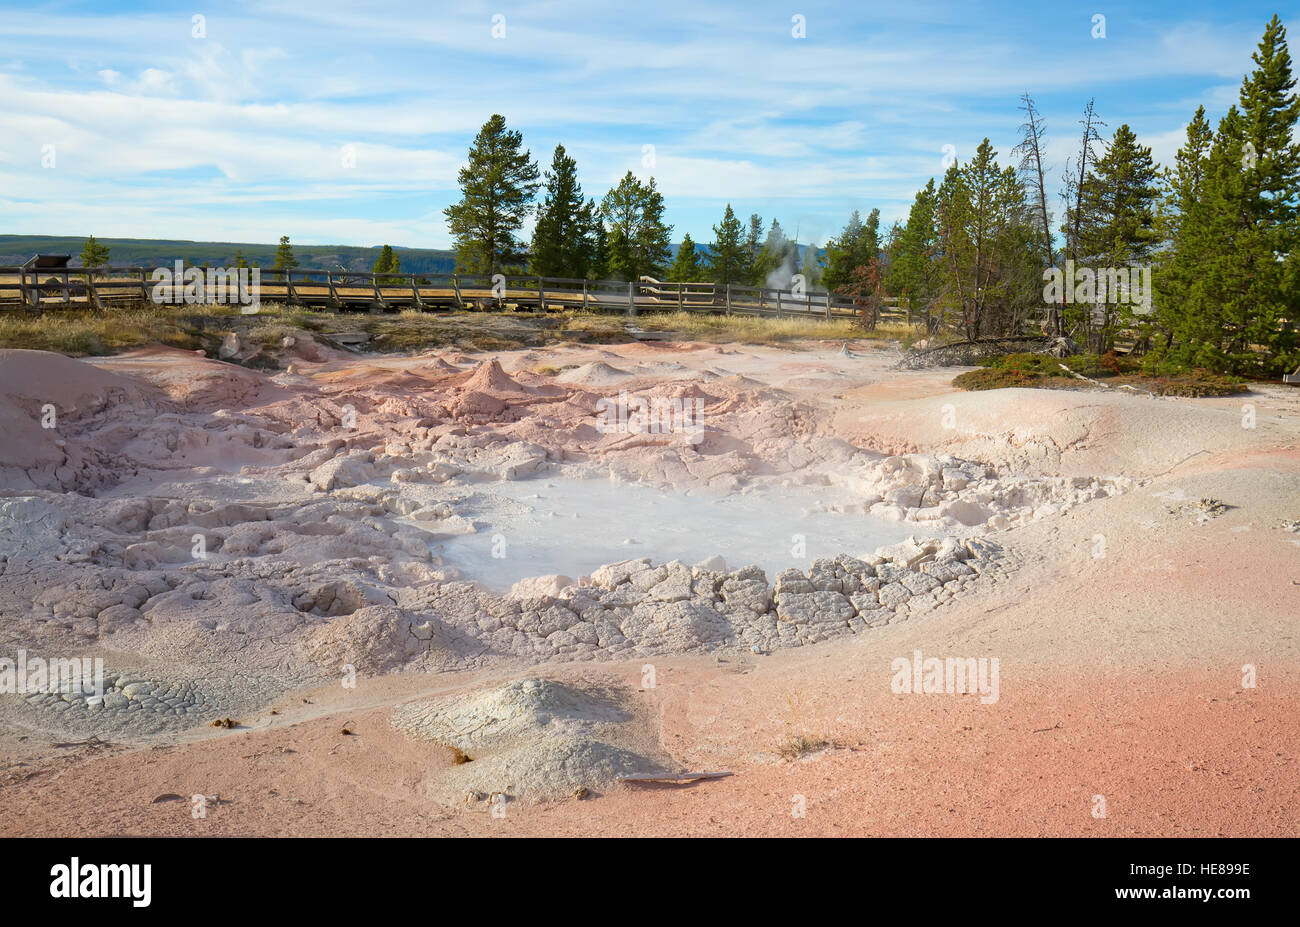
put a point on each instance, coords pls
(154, 252)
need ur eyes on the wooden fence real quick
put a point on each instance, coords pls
(341, 291)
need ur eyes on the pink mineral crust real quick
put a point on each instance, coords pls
(231, 543)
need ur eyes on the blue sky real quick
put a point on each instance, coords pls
(240, 134)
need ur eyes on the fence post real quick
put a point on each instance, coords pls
(541, 294)
(455, 285)
(415, 291)
(584, 295)
(728, 299)
(828, 305)
(631, 298)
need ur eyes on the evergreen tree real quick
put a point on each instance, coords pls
(1270, 110)
(240, 260)
(387, 262)
(639, 240)
(564, 240)
(1116, 228)
(728, 259)
(753, 245)
(854, 248)
(497, 187)
(839, 253)
(600, 243)
(686, 266)
(1176, 265)
(620, 263)
(284, 259)
(913, 267)
(93, 254)
(991, 278)
(1232, 289)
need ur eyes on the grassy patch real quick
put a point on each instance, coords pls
(80, 332)
(1041, 371)
(83, 333)
(702, 326)
(802, 745)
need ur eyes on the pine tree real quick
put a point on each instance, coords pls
(284, 259)
(240, 260)
(753, 245)
(1233, 286)
(1270, 110)
(93, 254)
(990, 275)
(387, 263)
(564, 240)
(1176, 266)
(639, 239)
(620, 263)
(600, 239)
(913, 267)
(840, 253)
(497, 187)
(686, 266)
(856, 246)
(1116, 228)
(728, 259)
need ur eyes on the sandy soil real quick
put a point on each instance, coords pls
(1123, 623)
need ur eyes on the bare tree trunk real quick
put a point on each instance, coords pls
(1031, 149)
(1073, 193)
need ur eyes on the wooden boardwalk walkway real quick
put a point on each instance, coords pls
(340, 291)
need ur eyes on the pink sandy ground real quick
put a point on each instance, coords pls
(1120, 678)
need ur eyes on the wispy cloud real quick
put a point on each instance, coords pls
(240, 132)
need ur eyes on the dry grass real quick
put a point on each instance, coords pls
(704, 326)
(804, 733)
(86, 332)
(81, 333)
(801, 745)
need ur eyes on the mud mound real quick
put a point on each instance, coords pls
(46, 401)
(489, 377)
(534, 738)
(377, 639)
(595, 374)
(441, 366)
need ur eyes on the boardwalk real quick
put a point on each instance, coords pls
(340, 291)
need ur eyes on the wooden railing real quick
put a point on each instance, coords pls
(339, 290)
